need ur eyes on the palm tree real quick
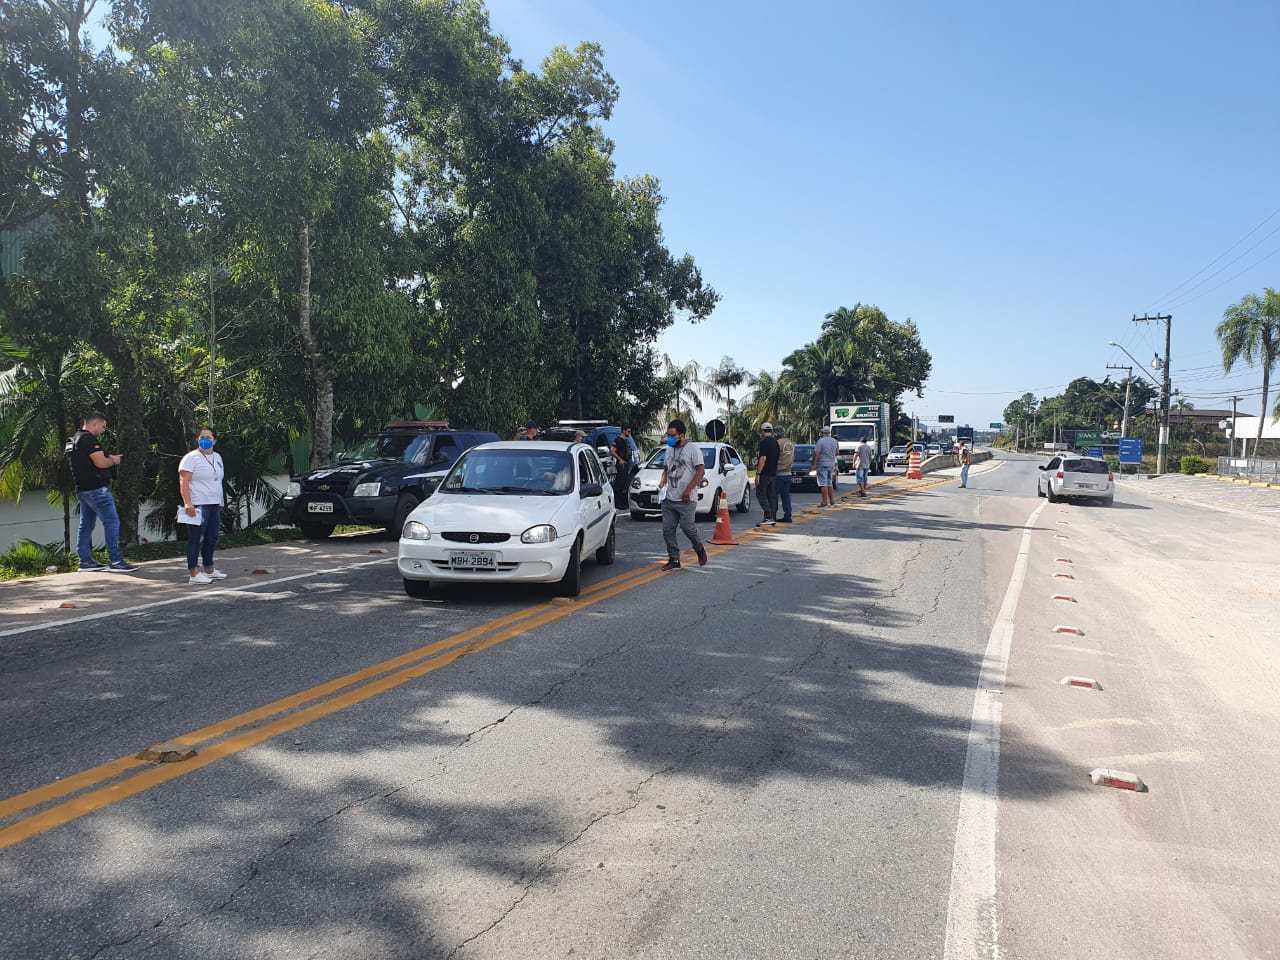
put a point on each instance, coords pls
(34, 425)
(686, 387)
(722, 381)
(773, 399)
(816, 371)
(1250, 331)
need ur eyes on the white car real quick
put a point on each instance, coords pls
(897, 457)
(526, 511)
(725, 471)
(1076, 476)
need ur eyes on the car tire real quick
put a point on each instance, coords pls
(404, 507)
(1053, 498)
(744, 505)
(316, 531)
(418, 589)
(606, 553)
(571, 583)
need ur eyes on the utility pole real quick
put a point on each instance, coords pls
(1231, 448)
(1162, 454)
(1128, 381)
(213, 341)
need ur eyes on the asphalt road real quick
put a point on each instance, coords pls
(762, 758)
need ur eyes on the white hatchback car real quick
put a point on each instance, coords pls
(724, 471)
(515, 511)
(1076, 476)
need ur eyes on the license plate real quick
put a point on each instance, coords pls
(319, 508)
(1084, 486)
(473, 560)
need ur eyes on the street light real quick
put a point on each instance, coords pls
(1136, 362)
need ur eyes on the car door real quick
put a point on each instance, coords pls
(1046, 475)
(592, 512)
(736, 479)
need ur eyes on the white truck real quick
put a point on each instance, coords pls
(851, 423)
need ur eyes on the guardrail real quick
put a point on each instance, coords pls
(1249, 468)
(942, 461)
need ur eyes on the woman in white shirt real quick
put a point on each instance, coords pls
(200, 475)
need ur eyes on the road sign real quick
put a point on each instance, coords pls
(946, 418)
(1088, 438)
(997, 425)
(1094, 452)
(1131, 450)
(715, 429)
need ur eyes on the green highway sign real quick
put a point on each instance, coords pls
(1088, 438)
(997, 425)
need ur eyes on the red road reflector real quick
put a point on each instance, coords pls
(1102, 777)
(1074, 631)
(66, 605)
(1088, 683)
(1063, 576)
(1061, 560)
(1065, 598)
(262, 571)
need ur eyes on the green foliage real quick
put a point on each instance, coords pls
(27, 558)
(1250, 332)
(1191, 464)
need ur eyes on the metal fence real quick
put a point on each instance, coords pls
(1250, 468)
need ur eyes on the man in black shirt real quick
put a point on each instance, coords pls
(89, 465)
(621, 451)
(767, 475)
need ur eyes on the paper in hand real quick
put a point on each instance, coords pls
(192, 521)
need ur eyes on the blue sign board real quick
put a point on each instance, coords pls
(1094, 452)
(1131, 450)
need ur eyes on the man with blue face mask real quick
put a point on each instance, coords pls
(681, 474)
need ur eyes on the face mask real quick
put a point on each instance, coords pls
(672, 441)
(206, 443)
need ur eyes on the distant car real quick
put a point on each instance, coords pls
(511, 512)
(380, 480)
(804, 476)
(898, 457)
(933, 450)
(724, 471)
(1074, 476)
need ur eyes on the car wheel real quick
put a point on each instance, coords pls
(571, 582)
(744, 505)
(404, 507)
(637, 515)
(1053, 498)
(609, 550)
(418, 589)
(316, 531)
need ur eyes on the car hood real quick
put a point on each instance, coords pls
(503, 513)
(348, 470)
(649, 477)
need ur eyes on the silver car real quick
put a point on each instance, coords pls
(897, 457)
(1072, 475)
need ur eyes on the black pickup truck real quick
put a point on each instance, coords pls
(379, 481)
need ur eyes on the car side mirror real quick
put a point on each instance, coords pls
(590, 490)
(1043, 466)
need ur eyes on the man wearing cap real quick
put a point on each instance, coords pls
(824, 462)
(530, 431)
(786, 460)
(767, 475)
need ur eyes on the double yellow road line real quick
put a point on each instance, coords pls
(116, 780)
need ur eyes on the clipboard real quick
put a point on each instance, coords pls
(195, 521)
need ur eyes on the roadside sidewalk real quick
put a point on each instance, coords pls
(73, 596)
(1208, 492)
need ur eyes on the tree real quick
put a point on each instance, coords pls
(773, 400)
(722, 381)
(685, 388)
(1250, 331)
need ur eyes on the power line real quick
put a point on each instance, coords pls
(1229, 279)
(1262, 223)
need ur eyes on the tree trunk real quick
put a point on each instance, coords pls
(1267, 359)
(321, 375)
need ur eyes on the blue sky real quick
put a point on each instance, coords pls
(1017, 178)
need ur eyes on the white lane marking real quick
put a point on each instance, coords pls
(972, 922)
(186, 598)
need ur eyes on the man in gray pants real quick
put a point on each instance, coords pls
(681, 475)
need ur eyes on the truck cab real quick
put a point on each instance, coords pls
(853, 423)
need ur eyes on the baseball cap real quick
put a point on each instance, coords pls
(826, 431)
(767, 427)
(531, 425)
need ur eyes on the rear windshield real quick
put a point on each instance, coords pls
(658, 459)
(804, 451)
(1084, 466)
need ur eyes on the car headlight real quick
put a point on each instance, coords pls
(635, 484)
(543, 533)
(294, 489)
(413, 530)
(704, 483)
(368, 489)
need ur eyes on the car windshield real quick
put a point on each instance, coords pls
(658, 459)
(408, 447)
(898, 450)
(1084, 466)
(804, 451)
(853, 432)
(544, 473)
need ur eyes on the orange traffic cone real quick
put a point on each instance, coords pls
(724, 529)
(913, 470)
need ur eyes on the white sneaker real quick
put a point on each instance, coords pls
(200, 577)
(215, 574)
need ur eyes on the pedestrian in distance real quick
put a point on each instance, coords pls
(825, 452)
(90, 466)
(621, 451)
(863, 457)
(530, 431)
(786, 459)
(966, 458)
(767, 475)
(681, 474)
(200, 475)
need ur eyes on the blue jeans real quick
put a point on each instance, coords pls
(95, 504)
(202, 540)
(784, 494)
(964, 475)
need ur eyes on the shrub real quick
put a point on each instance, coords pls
(1192, 464)
(27, 558)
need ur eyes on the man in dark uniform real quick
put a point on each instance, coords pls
(530, 431)
(621, 450)
(89, 465)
